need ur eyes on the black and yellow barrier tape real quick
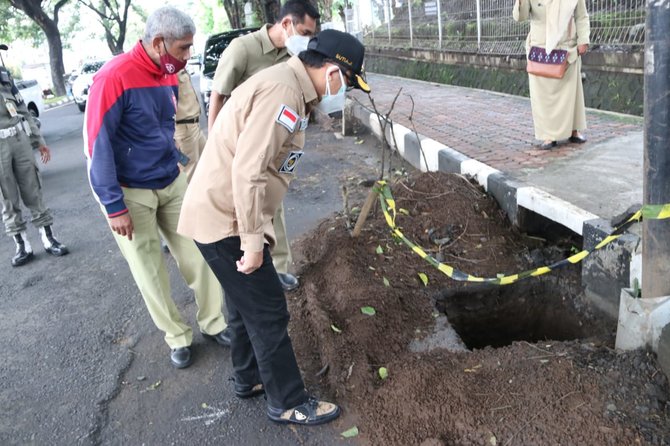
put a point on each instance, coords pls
(650, 212)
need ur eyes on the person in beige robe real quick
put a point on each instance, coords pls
(557, 104)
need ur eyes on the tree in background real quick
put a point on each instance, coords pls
(113, 17)
(234, 10)
(49, 24)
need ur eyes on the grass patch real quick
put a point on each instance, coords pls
(53, 100)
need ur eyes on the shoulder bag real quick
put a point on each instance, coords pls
(552, 65)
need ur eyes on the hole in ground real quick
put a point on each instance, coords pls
(533, 310)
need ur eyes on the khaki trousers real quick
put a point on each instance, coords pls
(20, 178)
(281, 252)
(155, 214)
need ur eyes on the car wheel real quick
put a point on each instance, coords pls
(81, 106)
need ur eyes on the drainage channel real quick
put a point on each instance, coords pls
(533, 310)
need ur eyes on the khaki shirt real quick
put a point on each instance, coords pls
(249, 158)
(245, 56)
(13, 111)
(188, 105)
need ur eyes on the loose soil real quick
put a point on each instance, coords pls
(531, 364)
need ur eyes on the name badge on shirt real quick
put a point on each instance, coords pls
(288, 166)
(11, 108)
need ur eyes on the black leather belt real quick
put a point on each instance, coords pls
(189, 121)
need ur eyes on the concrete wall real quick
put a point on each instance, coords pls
(612, 81)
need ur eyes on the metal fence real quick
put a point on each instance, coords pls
(482, 26)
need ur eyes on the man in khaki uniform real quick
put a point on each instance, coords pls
(244, 57)
(188, 135)
(19, 175)
(251, 155)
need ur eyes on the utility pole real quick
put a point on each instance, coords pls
(656, 233)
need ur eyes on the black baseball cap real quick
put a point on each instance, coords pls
(345, 50)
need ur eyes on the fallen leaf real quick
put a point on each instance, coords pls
(155, 385)
(349, 433)
(204, 405)
(403, 211)
(383, 373)
(474, 369)
(424, 279)
(335, 329)
(368, 310)
(360, 141)
(379, 250)
(372, 268)
(386, 282)
(493, 441)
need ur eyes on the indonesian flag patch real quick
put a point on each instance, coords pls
(288, 117)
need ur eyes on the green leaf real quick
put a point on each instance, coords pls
(368, 310)
(335, 329)
(155, 385)
(403, 211)
(360, 141)
(383, 373)
(386, 282)
(349, 433)
(424, 279)
(379, 250)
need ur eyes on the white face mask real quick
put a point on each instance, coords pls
(297, 44)
(332, 103)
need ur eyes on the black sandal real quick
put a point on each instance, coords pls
(548, 145)
(309, 413)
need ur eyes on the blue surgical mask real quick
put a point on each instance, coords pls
(332, 103)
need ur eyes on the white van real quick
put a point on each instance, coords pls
(32, 93)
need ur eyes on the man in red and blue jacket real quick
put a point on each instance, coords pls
(134, 174)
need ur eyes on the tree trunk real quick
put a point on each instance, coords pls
(33, 9)
(56, 58)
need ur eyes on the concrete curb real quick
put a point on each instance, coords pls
(57, 103)
(604, 273)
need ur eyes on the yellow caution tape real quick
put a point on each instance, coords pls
(650, 212)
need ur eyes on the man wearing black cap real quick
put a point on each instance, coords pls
(251, 155)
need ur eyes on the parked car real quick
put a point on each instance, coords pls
(193, 64)
(83, 82)
(214, 47)
(32, 94)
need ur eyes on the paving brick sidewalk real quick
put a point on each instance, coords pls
(493, 128)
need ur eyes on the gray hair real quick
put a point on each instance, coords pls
(170, 23)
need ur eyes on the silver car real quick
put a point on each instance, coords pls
(84, 80)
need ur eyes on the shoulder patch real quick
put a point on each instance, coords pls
(288, 117)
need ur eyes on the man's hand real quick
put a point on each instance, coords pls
(45, 154)
(122, 225)
(250, 262)
(582, 49)
(216, 102)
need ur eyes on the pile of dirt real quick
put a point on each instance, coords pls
(553, 377)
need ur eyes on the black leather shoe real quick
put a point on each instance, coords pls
(181, 357)
(548, 145)
(51, 245)
(577, 139)
(288, 281)
(222, 338)
(309, 413)
(22, 256)
(245, 392)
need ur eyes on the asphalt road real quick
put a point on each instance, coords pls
(82, 362)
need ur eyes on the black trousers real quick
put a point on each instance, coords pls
(261, 349)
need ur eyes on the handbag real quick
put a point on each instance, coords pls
(552, 65)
